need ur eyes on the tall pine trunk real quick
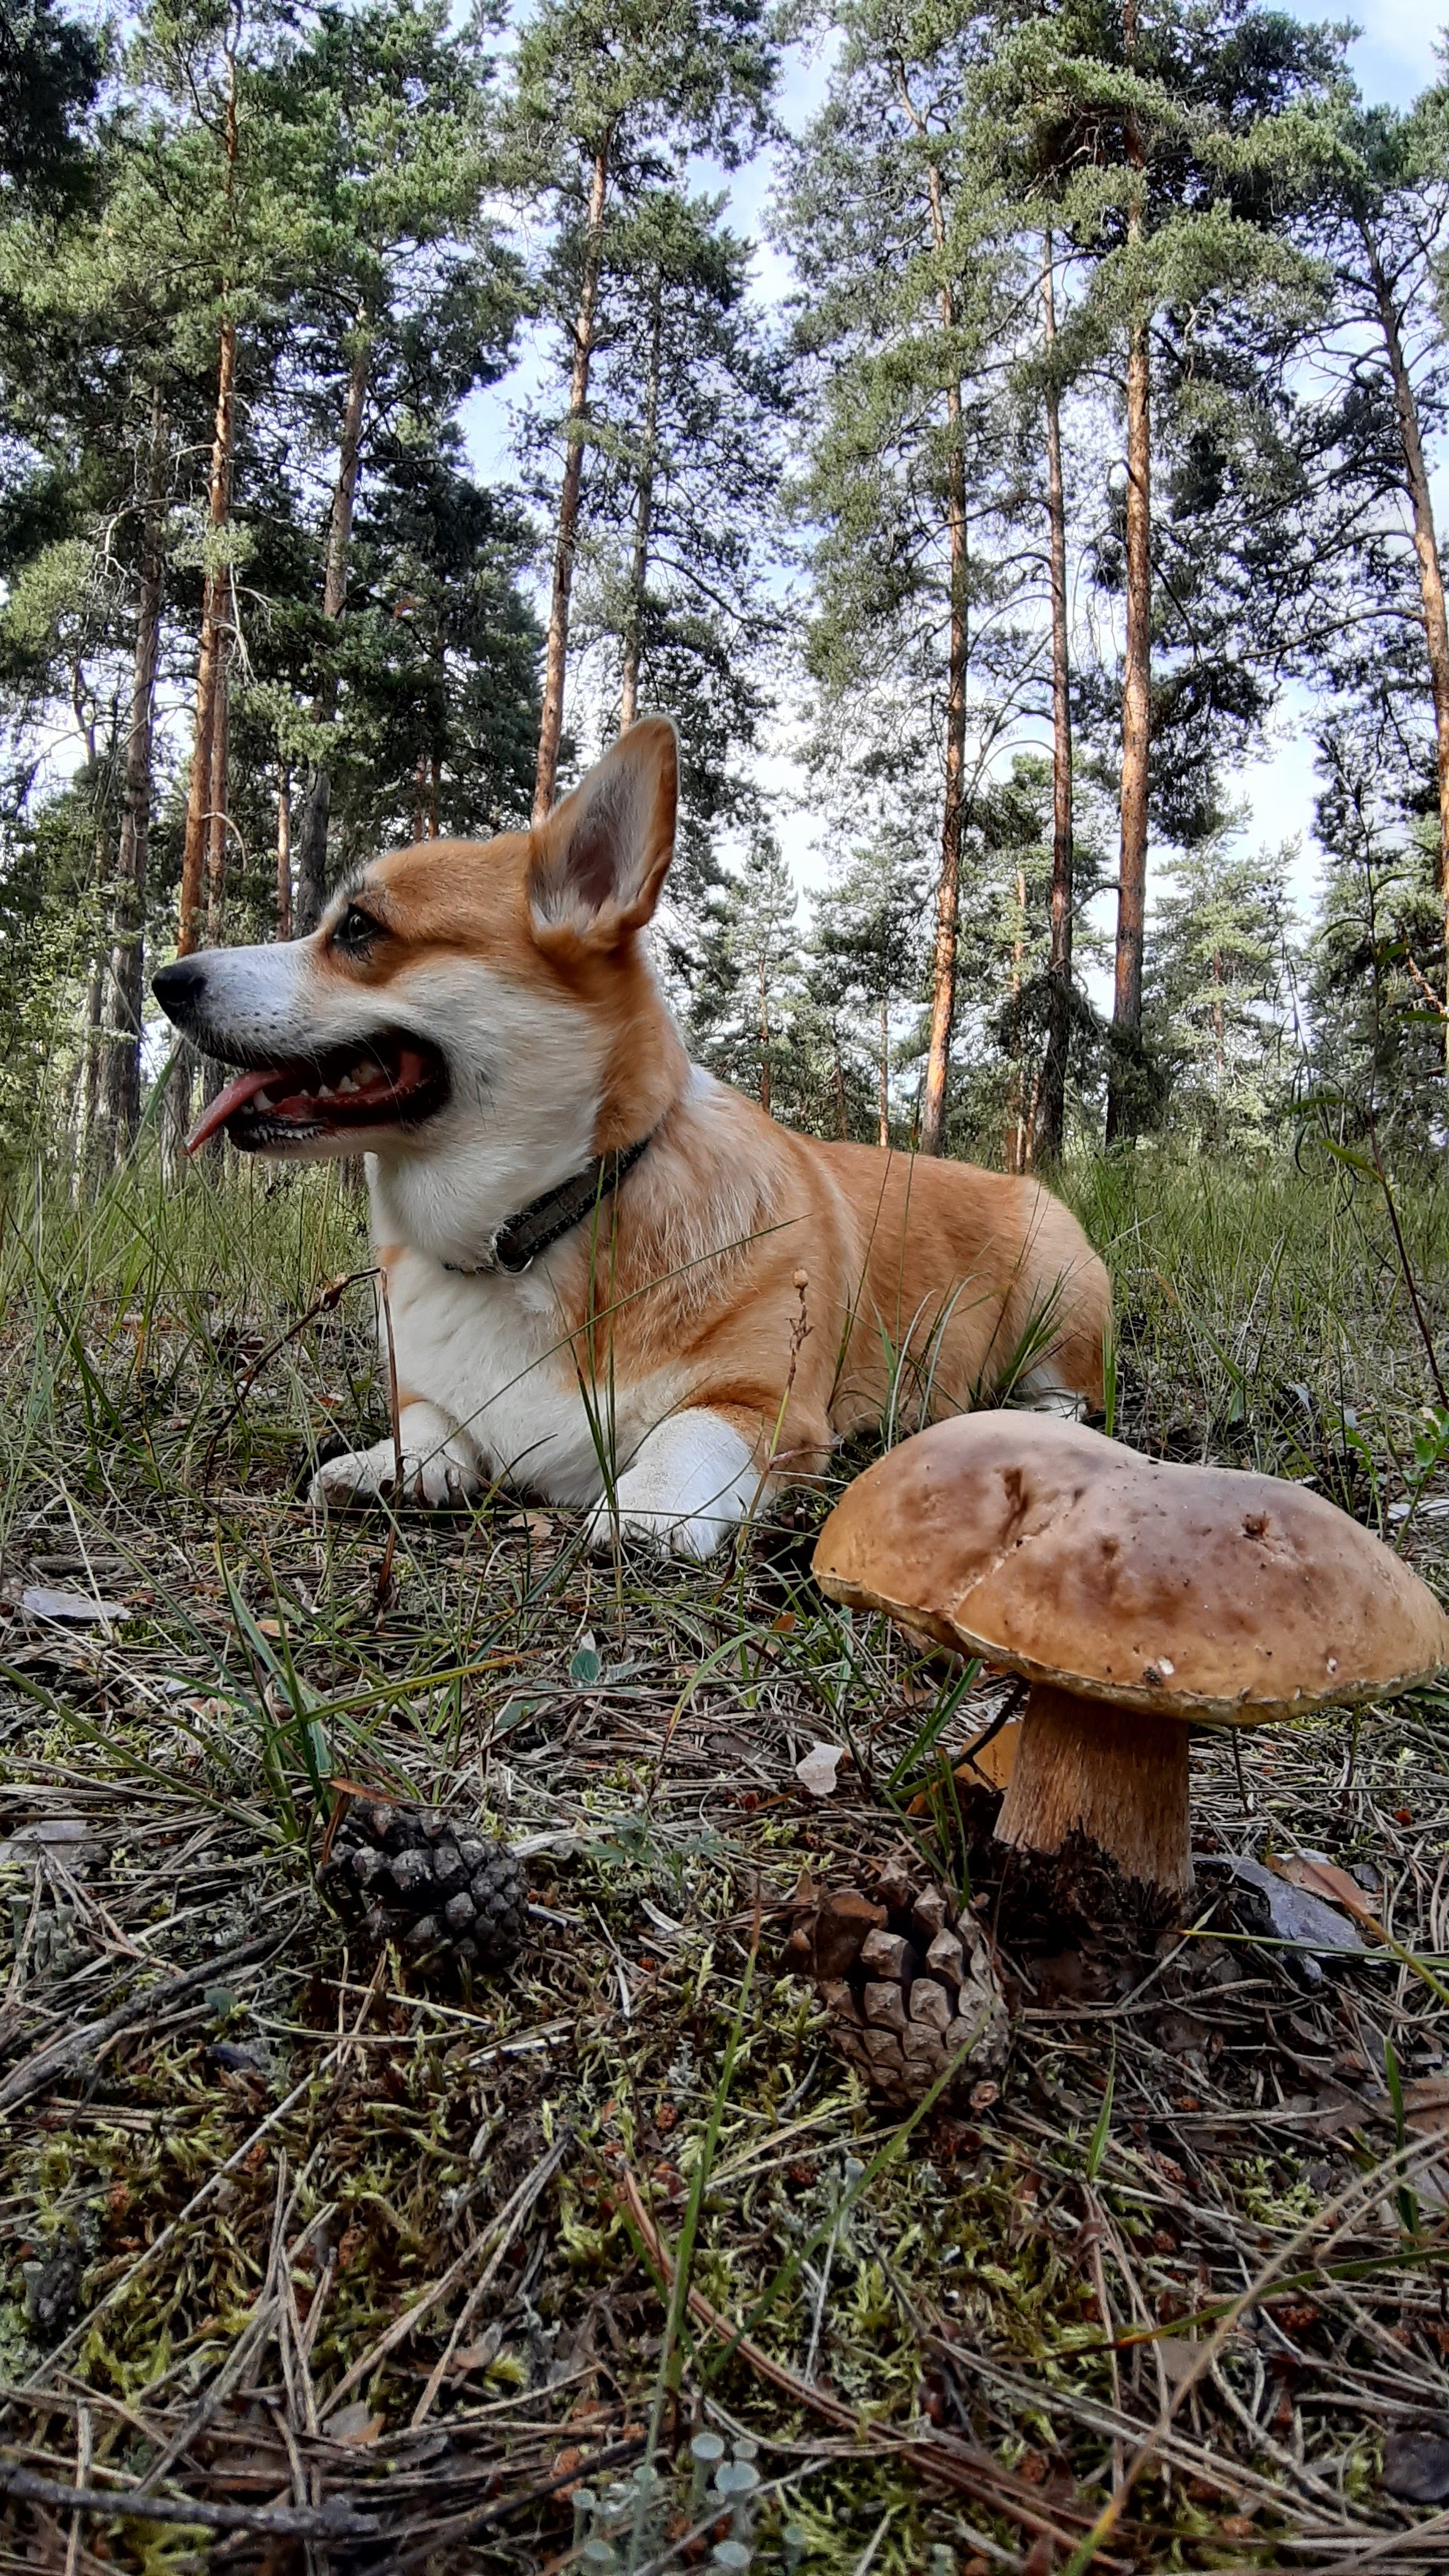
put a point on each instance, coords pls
(284, 853)
(212, 644)
(1136, 735)
(883, 1074)
(643, 517)
(1122, 1079)
(1018, 1144)
(211, 656)
(948, 890)
(1052, 1114)
(550, 727)
(1426, 549)
(316, 809)
(89, 1151)
(121, 1087)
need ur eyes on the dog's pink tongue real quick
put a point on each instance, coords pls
(235, 1094)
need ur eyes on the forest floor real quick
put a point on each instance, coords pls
(346, 2267)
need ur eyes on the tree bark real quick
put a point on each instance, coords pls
(837, 1084)
(1017, 1158)
(217, 820)
(948, 892)
(211, 656)
(764, 1040)
(284, 854)
(643, 517)
(550, 727)
(1052, 1120)
(316, 807)
(88, 1138)
(883, 1097)
(1136, 682)
(215, 608)
(121, 1091)
(1136, 733)
(1426, 549)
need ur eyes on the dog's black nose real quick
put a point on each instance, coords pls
(179, 988)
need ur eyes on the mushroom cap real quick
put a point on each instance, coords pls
(1190, 1592)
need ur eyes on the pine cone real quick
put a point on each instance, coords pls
(408, 1874)
(906, 1980)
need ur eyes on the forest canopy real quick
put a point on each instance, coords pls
(1094, 439)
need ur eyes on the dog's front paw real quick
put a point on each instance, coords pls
(696, 1535)
(364, 1476)
(691, 1483)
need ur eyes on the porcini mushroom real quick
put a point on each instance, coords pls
(1137, 1599)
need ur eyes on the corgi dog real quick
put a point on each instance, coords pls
(606, 1279)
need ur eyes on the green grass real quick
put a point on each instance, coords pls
(262, 2173)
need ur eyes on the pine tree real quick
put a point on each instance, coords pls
(686, 402)
(1380, 215)
(906, 312)
(50, 70)
(608, 97)
(411, 303)
(750, 987)
(1377, 1044)
(869, 963)
(1219, 998)
(1169, 140)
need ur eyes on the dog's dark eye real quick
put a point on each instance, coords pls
(356, 932)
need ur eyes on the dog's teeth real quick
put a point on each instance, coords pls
(325, 1091)
(346, 1084)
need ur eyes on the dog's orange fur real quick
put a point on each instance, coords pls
(795, 1287)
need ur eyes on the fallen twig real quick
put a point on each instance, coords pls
(60, 2056)
(337, 2520)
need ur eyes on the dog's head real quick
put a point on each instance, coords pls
(487, 1000)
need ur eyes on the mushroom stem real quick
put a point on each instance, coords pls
(1112, 1774)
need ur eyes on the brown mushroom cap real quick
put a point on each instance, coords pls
(1189, 1592)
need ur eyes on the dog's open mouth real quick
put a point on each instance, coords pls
(391, 1080)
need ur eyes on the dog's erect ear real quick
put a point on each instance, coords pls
(600, 859)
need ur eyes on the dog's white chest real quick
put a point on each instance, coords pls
(491, 1353)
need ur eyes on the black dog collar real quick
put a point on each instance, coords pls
(518, 1244)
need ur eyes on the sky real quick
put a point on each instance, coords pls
(1394, 58)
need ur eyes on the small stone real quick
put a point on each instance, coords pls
(448, 1866)
(471, 1852)
(432, 1826)
(459, 1911)
(409, 1870)
(426, 1930)
(368, 1860)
